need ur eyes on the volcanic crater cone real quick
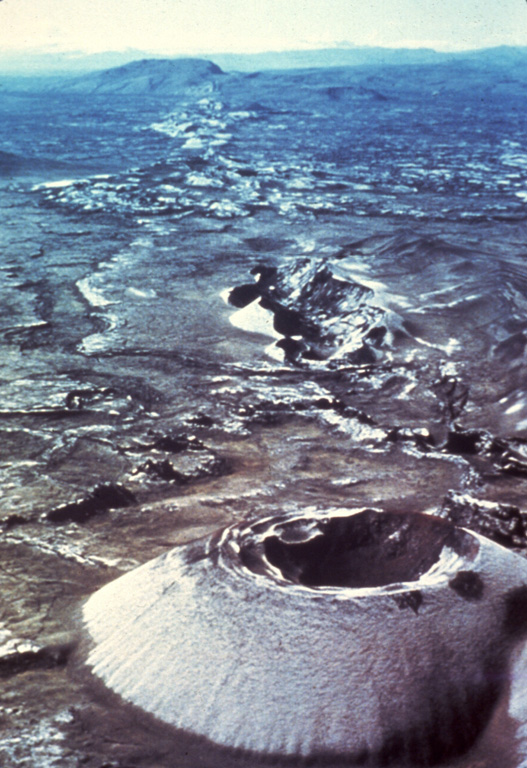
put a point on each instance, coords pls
(359, 634)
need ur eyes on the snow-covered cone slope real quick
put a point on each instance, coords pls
(374, 636)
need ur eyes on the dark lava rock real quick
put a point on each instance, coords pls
(288, 322)
(453, 395)
(243, 295)
(202, 420)
(164, 470)
(504, 454)
(47, 657)
(503, 523)
(465, 442)
(267, 275)
(101, 499)
(272, 412)
(179, 443)
(377, 335)
(421, 438)
(77, 398)
(512, 465)
(292, 348)
(13, 520)
(174, 444)
(363, 356)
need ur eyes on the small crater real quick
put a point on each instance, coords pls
(363, 550)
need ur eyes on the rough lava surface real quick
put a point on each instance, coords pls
(230, 295)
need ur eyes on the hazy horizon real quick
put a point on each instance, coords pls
(208, 27)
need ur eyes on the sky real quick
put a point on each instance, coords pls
(183, 27)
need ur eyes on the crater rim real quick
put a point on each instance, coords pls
(357, 551)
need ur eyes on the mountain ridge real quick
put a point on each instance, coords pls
(34, 63)
(146, 76)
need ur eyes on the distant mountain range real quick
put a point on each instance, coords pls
(497, 70)
(75, 63)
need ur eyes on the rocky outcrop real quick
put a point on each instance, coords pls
(505, 524)
(101, 499)
(319, 311)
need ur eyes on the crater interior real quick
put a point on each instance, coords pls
(365, 549)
